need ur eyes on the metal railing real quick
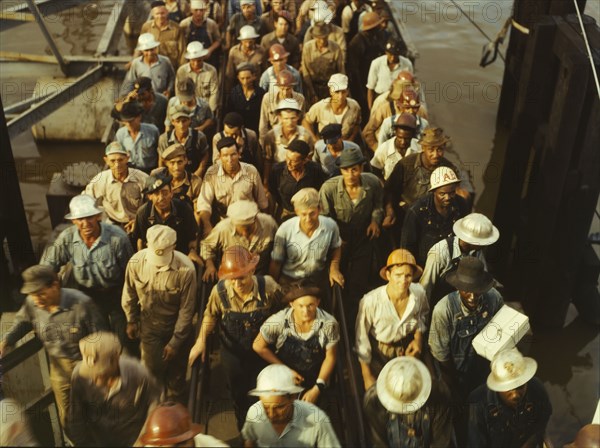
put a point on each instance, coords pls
(354, 427)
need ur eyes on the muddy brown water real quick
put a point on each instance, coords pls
(462, 98)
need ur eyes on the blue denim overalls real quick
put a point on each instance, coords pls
(409, 430)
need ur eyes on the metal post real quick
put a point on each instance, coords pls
(13, 226)
(40, 20)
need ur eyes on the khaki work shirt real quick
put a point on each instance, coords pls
(171, 38)
(223, 235)
(320, 66)
(220, 189)
(275, 144)
(120, 200)
(206, 82)
(161, 298)
(214, 309)
(322, 114)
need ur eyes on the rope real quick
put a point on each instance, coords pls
(587, 45)
(476, 26)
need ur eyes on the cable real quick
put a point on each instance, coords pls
(587, 45)
(476, 26)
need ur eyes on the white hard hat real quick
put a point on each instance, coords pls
(510, 369)
(248, 32)
(476, 229)
(275, 379)
(288, 103)
(195, 50)
(441, 177)
(146, 41)
(82, 206)
(404, 385)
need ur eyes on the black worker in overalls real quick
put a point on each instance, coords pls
(472, 234)
(455, 322)
(303, 337)
(239, 304)
(407, 408)
(513, 409)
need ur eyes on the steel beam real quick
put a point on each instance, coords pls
(42, 24)
(19, 107)
(53, 102)
(114, 28)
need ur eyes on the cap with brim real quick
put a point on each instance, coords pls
(470, 276)
(510, 370)
(246, 2)
(337, 82)
(82, 206)
(198, 4)
(391, 385)
(476, 229)
(161, 245)
(331, 133)
(36, 278)
(299, 290)
(175, 150)
(179, 111)
(143, 84)
(350, 157)
(288, 104)
(155, 182)
(115, 148)
(97, 352)
(185, 90)
(131, 110)
(245, 66)
(400, 257)
(242, 213)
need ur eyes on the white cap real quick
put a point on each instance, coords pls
(161, 244)
(146, 41)
(275, 379)
(510, 369)
(195, 50)
(404, 385)
(441, 177)
(247, 2)
(242, 212)
(198, 4)
(82, 206)
(322, 13)
(337, 82)
(288, 103)
(476, 229)
(248, 32)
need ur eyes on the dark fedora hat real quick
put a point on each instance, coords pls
(350, 157)
(471, 276)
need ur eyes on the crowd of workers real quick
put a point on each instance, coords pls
(325, 171)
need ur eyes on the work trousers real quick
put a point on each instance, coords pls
(61, 370)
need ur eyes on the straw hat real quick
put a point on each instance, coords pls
(404, 385)
(510, 370)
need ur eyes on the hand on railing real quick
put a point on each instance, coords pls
(198, 350)
(335, 276)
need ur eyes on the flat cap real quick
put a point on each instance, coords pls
(242, 212)
(175, 150)
(37, 277)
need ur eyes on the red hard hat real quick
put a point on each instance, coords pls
(237, 262)
(285, 79)
(168, 424)
(277, 52)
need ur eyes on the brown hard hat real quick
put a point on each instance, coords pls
(410, 97)
(285, 79)
(371, 20)
(237, 262)
(168, 424)
(405, 120)
(277, 52)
